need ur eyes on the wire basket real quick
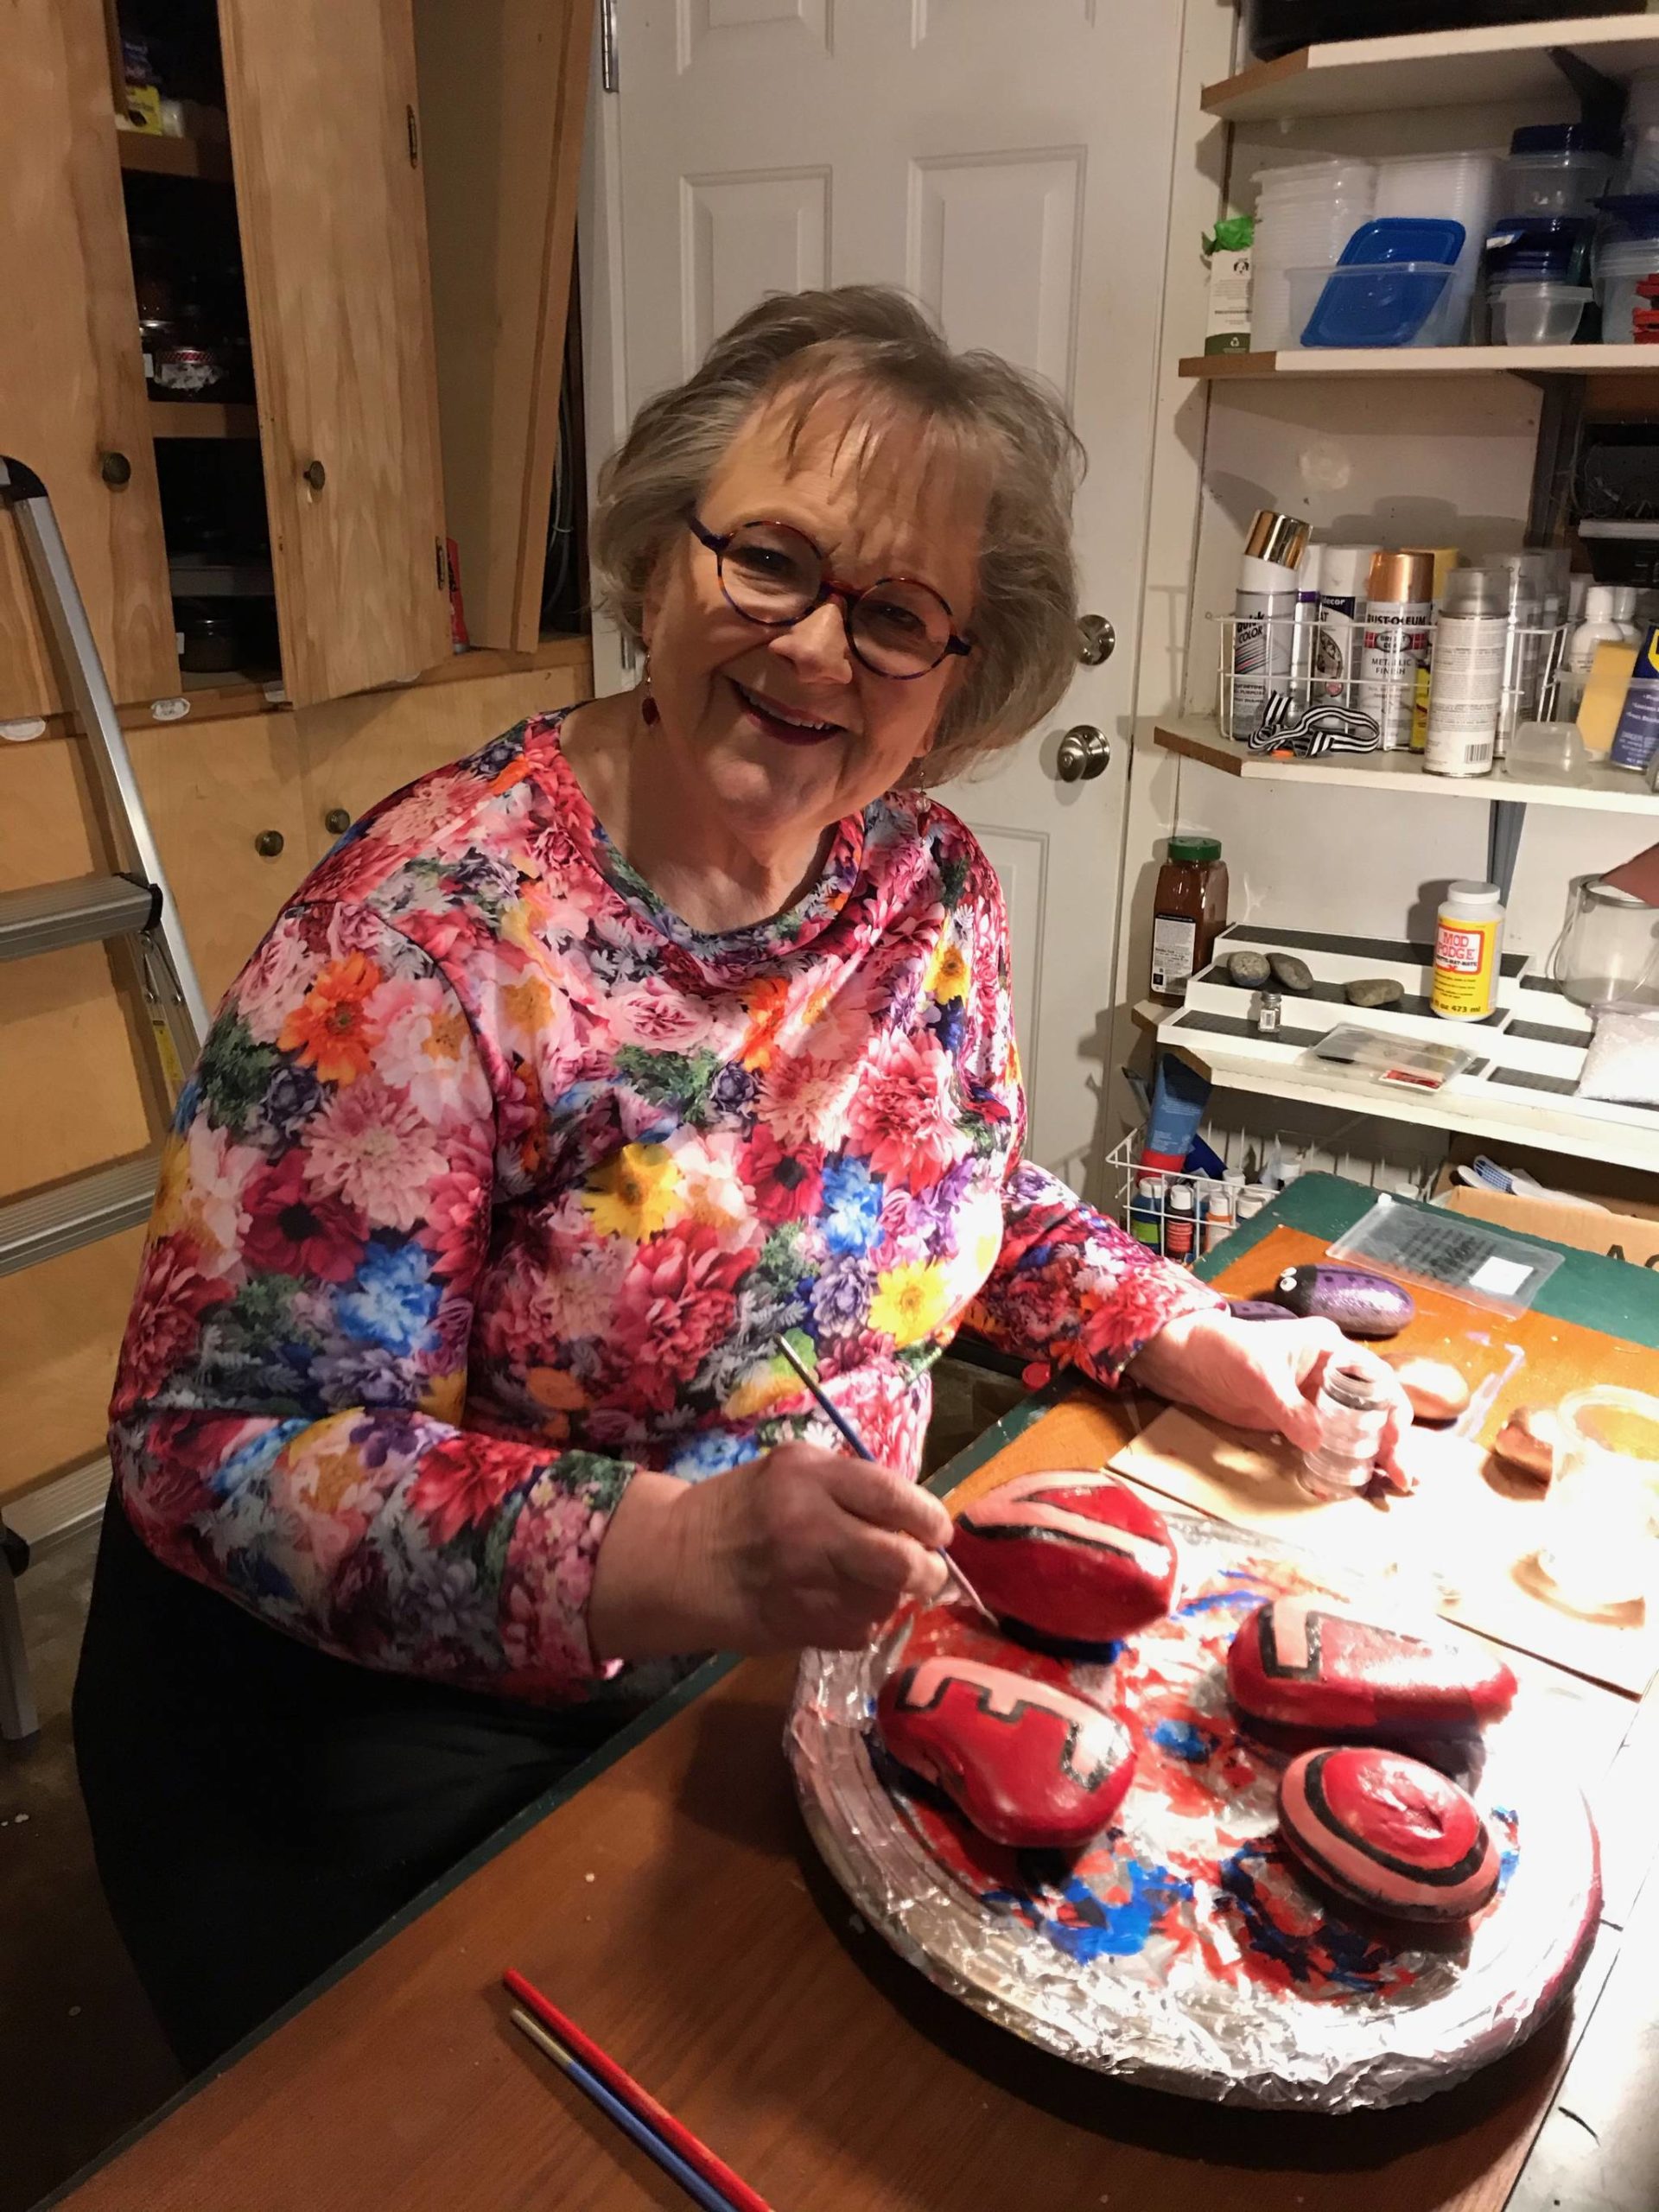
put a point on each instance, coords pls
(1182, 1217)
(1319, 682)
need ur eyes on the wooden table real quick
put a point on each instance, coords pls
(670, 1899)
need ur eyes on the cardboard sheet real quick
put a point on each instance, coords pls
(1461, 1544)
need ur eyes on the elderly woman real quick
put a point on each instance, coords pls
(450, 1414)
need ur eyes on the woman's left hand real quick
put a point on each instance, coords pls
(1261, 1374)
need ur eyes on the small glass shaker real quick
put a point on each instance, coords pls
(1353, 1408)
(1268, 1004)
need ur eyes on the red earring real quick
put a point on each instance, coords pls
(649, 713)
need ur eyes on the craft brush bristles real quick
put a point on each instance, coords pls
(730, 2192)
(856, 1445)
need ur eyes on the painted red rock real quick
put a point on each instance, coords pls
(1078, 1556)
(1302, 1663)
(1389, 1832)
(1030, 1764)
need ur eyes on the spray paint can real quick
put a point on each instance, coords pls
(1264, 617)
(1305, 630)
(1466, 682)
(1345, 571)
(1445, 559)
(1396, 642)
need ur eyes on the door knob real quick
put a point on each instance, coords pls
(268, 843)
(315, 474)
(337, 821)
(1085, 753)
(1098, 639)
(115, 469)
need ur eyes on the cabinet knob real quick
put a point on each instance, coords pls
(337, 821)
(268, 843)
(115, 469)
(315, 474)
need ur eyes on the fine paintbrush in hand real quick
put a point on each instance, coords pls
(856, 1445)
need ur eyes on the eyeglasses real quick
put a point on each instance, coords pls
(774, 575)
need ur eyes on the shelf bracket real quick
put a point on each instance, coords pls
(1601, 99)
(1505, 819)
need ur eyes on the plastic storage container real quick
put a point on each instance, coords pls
(1306, 215)
(1463, 187)
(1368, 303)
(1555, 168)
(1534, 249)
(1546, 313)
(1639, 171)
(1621, 264)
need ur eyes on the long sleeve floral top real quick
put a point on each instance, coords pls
(495, 1182)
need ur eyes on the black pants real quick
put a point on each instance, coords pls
(258, 1807)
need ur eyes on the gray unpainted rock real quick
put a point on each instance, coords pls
(1374, 990)
(1248, 969)
(1295, 974)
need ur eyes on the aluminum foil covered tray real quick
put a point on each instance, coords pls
(1184, 1950)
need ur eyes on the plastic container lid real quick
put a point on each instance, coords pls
(1465, 892)
(1539, 245)
(1635, 213)
(1429, 239)
(1557, 140)
(1195, 849)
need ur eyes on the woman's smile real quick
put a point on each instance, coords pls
(788, 724)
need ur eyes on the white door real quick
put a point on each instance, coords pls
(1008, 161)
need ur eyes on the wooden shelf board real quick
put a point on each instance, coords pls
(1425, 361)
(201, 418)
(1605, 790)
(148, 155)
(1428, 69)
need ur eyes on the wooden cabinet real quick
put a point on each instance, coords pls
(325, 142)
(503, 87)
(72, 388)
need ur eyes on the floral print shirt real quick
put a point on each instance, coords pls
(495, 1182)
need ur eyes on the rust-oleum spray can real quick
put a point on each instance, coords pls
(1397, 602)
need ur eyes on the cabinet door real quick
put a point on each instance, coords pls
(504, 87)
(72, 382)
(359, 750)
(227, 804)
(324, 144)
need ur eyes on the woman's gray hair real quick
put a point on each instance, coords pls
(875, 349)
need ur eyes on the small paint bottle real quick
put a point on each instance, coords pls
(1269, 1009)
(1468, 946)
(1353, 1408)
(1220, 1216)
(1146, 1215)
(1181, 1223)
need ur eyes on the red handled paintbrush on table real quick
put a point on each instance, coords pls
(705, 2177)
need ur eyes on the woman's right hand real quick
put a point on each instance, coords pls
(800, 1547)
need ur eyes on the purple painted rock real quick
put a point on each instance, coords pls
(1030, 1765)
(1301, 1663)
(1080, 1557)
(1389, 1832)
(1258, 1309)
(1361, 1304)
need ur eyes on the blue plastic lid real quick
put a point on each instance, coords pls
(1540, 245)
(1637, 213)
(1536, 138)
(1404, 238)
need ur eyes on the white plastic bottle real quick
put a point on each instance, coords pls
(1466, 682)
(1344, 572)
(1601, 625)
(1264, 618)
(1397, 600)
(1624, 614)
(1468, 947)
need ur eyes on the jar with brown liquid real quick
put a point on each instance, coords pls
(1189, 911)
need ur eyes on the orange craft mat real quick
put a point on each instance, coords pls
(1464, 1539)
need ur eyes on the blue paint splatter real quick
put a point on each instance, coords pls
(1183, 1739)
(1085, 1926)
(1508, 1857)
(1328, 1951)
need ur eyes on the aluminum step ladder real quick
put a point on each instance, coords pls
(132, 909)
